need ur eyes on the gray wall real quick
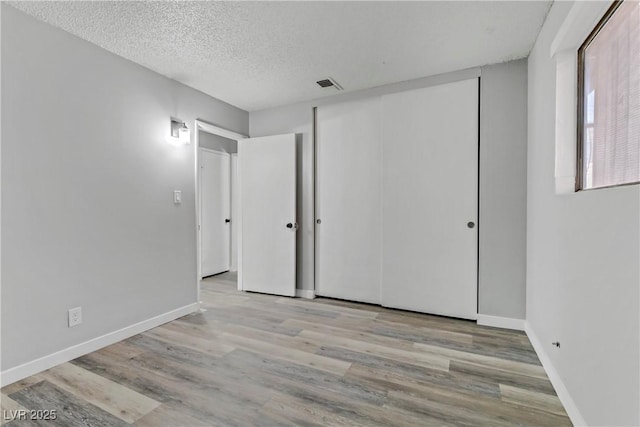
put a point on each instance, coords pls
(503, 149)
(87, 179)
(503, 184)
(218, 143)
(583, 265)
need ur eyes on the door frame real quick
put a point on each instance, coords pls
(203, 126)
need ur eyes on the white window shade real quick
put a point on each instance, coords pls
(577, 26)
(610, 125)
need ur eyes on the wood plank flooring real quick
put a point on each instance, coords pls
(258, 360)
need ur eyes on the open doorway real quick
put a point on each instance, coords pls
(217, 207)
(216, 252)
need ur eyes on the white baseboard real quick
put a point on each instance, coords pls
(501, 322)
(561, 390)
(305, 293)
(25, 370)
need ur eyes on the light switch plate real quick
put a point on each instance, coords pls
(177, 197)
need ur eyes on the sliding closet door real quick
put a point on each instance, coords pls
(348, 200)
(430, 199)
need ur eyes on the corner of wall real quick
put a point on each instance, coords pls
(556, 380)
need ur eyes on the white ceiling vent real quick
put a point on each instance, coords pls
(329, 82)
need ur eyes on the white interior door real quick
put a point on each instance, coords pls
(267, 170)
(348, 200)
(235, 211)
(215, 212)
(430, 199)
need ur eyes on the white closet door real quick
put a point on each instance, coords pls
(348, 235)
(430, 199)
(267, 171)
(235, 212)
(215, 211)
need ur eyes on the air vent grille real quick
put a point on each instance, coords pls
(328, 82)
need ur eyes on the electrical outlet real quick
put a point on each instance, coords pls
(75, 316)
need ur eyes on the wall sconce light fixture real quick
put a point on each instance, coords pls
(180, 134)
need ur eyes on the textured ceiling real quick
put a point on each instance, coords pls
(256, 55)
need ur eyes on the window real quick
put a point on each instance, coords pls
(609, 100)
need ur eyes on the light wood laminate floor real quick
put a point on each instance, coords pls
(258, 360)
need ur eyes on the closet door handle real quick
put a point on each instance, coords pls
(227, 220)
(471, 224)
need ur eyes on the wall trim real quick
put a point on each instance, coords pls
(305, 293)
(217, 130)
(25, 370)
(561, 390)
(501, 322)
